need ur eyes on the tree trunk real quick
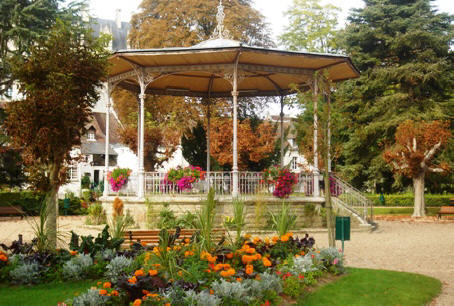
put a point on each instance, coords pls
(419, 204)
(51, 209)
(328, 204)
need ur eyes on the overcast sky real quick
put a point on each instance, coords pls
(273, 10)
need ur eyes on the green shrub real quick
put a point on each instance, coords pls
(31, 202)
(96, 214)
(406, 199)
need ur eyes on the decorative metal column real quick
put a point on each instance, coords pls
(282, 131)
(208, 142)
(235, 130)
(144, 80)
(110, 88)
(329, 130)
(316, 170)
(141, 168)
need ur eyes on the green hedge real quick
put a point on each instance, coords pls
(407, 199)
(31, 202)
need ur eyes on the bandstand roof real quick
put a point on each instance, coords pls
(204, 70)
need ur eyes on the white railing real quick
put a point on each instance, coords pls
(249, 183)
(351, 198)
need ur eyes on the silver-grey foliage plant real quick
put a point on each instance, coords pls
(25, 273)
(118, 266)
(77, 267)
(91, 298)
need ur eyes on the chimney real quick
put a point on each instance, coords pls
(118, 18)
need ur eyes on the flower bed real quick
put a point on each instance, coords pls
(179, 272)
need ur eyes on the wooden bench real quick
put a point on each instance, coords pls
(12, 211)
(446, 210)
(150, 237)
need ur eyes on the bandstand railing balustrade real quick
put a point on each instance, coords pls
(250, 183)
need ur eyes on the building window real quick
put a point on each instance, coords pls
(91, 135)
(72, 173)
(294, 163)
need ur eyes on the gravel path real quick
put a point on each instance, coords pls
(425, 248)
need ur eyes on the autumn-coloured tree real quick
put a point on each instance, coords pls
(60, 82)
(414, 154)
(254, 144)
(163, 23)
(188, 22)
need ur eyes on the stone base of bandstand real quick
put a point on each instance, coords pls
(257, 209)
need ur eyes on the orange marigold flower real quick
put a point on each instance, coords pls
(107, 285)
(258, 256)
(208, 271)
(275, 239)
(73, 253)
(284, 238)
(145, 292)
(180, 273)
(137, 302)
(102, 292)
(153, 272)
(114, 293)
(144, 244)
(98, 283)
(249, 269)
(188, 253)
(3, 258)
(139, 273)
(132, 280)
(250, 251)
(167, 304)
(218, 267)
(239, 279)
(266, 262)
(247, 236)
(211, 291)
(212, 259)
(229, 256)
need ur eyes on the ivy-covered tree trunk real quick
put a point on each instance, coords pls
(51, 208)
(419, 204)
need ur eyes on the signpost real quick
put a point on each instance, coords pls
(342, 229)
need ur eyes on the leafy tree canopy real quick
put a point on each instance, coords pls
(22, 22)
(402, 49)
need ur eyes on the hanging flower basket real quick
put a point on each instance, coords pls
(184, 178)
(118, 178)
(281, 180)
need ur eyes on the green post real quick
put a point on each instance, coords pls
(342, 229)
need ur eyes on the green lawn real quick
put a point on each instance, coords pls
(431, 211)
(376, 287)
(358, 287)
(43, 294)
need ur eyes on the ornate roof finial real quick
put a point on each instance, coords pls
(220, 32)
